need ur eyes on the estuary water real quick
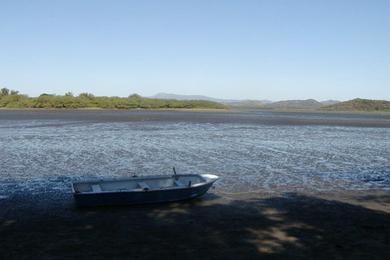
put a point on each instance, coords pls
(44, 151)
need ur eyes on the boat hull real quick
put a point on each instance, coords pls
(141, 197)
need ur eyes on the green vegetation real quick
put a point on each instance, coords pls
(359, 104)
(12, 99)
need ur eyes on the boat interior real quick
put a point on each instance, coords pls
(139, 184)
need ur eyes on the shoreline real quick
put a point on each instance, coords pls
(229, 109)
(116, 109)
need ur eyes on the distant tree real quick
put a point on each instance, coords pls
(4, 92)
(13, 99)
(87, 95)
(135, 96)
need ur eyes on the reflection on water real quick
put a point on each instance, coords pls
(40, 155)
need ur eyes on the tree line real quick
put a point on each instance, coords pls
(13, 99)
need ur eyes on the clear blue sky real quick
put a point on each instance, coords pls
(229, 49)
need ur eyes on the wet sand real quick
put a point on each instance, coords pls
(342, 225)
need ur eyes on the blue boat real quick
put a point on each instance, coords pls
(140, 190)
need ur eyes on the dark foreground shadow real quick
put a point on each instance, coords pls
(293, 226)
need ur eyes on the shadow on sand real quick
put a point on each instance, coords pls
(288, 226)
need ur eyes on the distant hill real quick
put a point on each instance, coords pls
(308, 104)
(359, 104)
(231, 102)
(183, 97)
(329, 102)
(247, 103)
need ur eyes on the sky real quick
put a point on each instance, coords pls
(276, 50)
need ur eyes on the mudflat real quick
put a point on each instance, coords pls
(293, 185)
(263, 117)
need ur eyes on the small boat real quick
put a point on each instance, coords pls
(139, 190)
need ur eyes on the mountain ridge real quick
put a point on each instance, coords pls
(253, 103)
(360, 104)
(233, 102)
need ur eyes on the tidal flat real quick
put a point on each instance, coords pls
(293, 184)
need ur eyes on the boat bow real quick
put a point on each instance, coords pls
(210, 177)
